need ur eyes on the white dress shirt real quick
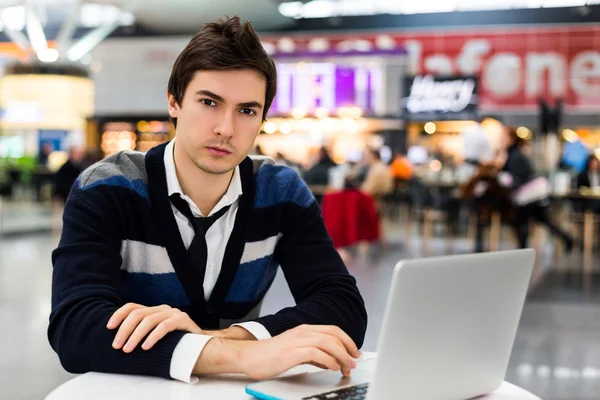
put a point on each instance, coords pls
(191, 345)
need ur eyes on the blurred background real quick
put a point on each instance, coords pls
(398, 115)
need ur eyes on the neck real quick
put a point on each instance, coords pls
(203, 188)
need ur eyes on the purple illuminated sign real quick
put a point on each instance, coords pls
(312, 85)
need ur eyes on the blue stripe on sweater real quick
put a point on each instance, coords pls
(137, 185)
(252, 279)
(273, 185)
(153, 289)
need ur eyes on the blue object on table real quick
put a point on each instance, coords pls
(575, 155)
(260, 396)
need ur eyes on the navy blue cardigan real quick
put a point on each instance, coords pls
(120, 243)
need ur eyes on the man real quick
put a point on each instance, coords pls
(143, 283)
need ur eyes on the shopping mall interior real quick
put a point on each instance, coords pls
(401, 118)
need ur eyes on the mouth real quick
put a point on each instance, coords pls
(218, 151)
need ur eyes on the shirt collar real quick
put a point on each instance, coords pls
(233, 193)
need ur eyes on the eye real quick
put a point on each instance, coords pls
(248, 111)
(208, 102)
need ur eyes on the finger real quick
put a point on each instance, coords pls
(118, 316)
(147, 325)
(308, 355)
(132, 321)
(166, 326)
(332, 346)
(340, 334)
(129, 324)
(345, 372)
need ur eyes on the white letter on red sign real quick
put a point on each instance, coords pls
(470, 59)
(585, 74)
(439, 64)
(502, 75)
(537, 64)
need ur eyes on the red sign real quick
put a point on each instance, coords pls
(516, 65)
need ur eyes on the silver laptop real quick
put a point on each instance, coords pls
(447, 333)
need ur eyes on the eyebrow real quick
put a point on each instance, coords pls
(214, 96)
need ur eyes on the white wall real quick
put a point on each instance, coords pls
(131, 75)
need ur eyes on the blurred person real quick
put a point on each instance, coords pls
(92, 156)
(379, 181)
(401, 168)
(528, 190)
(356, 170)
(143, 283)
(318, 174)
(487, 196)
(68, 173)
(477, 151)
(45, 151)
(477, 147)
(590, 177)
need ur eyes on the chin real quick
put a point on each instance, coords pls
(215, 167)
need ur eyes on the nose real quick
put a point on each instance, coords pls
(225, 126)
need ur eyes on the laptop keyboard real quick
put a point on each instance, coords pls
(358, 392)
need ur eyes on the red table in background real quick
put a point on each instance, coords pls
(350, 217)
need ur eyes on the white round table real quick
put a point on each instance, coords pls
(97, 386)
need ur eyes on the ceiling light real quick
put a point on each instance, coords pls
(355, 112)
(13, 18)
(48, 55)
(321, 112)
(298, 112)
(270, 128)
(329, 8)
(291, 9)
(524, 133)
(285, 128)
(430, 128)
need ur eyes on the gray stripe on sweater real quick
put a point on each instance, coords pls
(130, 164)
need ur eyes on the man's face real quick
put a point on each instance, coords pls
(219, 118)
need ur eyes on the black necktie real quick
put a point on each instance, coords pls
(198, 250)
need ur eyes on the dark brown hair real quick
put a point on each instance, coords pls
(225, 44)
(515, 139)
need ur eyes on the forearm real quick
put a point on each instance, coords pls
(83, 343)
(232, 333)
(220, 356)
(337, 303)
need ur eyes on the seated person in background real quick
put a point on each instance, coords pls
(590, 177)
(379, 181)
(165, 257)
(487, 196)
(402, 169)
(318, 174)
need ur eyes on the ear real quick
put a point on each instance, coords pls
(172, 105)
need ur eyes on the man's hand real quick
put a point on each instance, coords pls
(137, 321)
(324, 346)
